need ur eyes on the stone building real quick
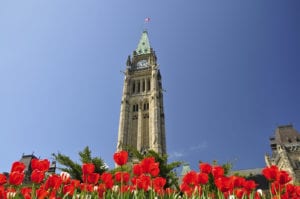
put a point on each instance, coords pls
(26, 159)
(285, 147)
(142, 122)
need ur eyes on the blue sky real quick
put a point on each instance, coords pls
(230, 70)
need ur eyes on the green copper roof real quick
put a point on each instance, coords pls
(144, 45)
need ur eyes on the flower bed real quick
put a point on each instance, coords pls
(143, 181)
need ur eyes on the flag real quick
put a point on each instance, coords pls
(147, 19)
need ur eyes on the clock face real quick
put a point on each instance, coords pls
(142, 64)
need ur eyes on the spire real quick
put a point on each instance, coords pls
(144, 44)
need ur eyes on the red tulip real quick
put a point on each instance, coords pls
(125, 188)
(68, 189)
(3, 179)
(205, 168)
(143, 182)
(223, 184)
(203, 178)
(41, 193)
(76, 183)
(88, 168)
(154, 169)
(26, 192)
(190, 178)
(236, 181)
(249, 185)
(41, 165)
(146, 164)
(37, 176)
(54, 181)
(107, 179)
(122, 177)
(271, 172)
(93, 178)
(276, 188)
(18, 166)
(2, 192)
(283, 177)
(186, 189)
(297, 190)
(86, 187)
(121, 157)
(137, 169)
(16, 178)
(159, 182)
(101, 190)
(217, 171)
(240, 192)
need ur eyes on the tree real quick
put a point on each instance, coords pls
(74, 169)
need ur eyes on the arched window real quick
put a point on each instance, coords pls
(146, 106)
(143, 85)
(135, 108)
(133, 87)
(149, 85)
(138, 86)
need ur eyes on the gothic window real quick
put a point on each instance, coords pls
(133, 87)
(146, 106)
(135, 108)
(149, 85)
(138, 86)
(143, 85)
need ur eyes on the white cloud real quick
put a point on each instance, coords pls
(176, 154)
(179, 154)
(200, 146)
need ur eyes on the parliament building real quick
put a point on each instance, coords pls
(142, 119)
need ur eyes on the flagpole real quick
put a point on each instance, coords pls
(146, 21)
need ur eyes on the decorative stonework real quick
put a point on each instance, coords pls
(285, 147)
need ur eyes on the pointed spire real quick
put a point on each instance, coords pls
(144, 44)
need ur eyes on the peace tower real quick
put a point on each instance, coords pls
(142, 122)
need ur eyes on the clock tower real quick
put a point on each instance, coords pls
(142, 119)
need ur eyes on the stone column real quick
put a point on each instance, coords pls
(155, 122)
(123, 113)
(139, 130)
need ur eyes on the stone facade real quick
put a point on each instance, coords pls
(142, 123)
(26, 159)
(285, 147)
